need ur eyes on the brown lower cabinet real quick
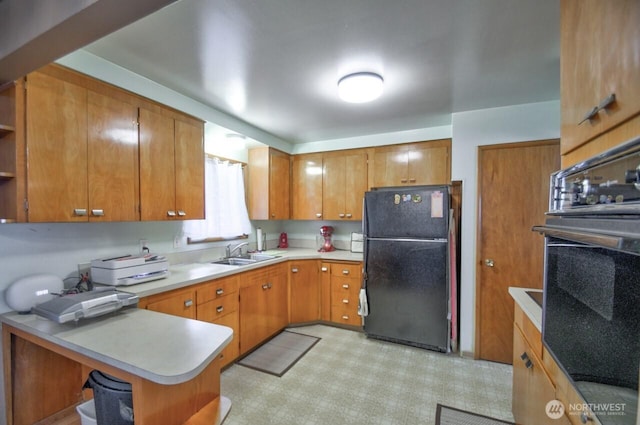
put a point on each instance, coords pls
(535, 377)
(259, 303)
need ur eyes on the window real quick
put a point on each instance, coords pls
(226, 215)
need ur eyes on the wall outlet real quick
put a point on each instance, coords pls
(142, 244)
(177, 241)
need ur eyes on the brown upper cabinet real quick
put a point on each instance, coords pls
(171, 167)
(412, 164)
(306, 203)
(599, 68)
(85, 151)
(269, 181)
(329, 185)
(76, 156)
(11, 154)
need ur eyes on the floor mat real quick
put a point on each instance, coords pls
(279, 354)
(446, 415)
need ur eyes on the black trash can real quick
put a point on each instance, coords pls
(112, 398)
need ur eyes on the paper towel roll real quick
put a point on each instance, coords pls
(259, 239)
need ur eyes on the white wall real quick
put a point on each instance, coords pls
(471, 129)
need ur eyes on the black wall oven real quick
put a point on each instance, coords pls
(591, 306)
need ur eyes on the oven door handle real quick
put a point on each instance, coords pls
(629, 243)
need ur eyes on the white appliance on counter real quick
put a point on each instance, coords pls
(129, 269)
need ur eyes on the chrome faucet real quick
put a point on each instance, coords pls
(235, 248)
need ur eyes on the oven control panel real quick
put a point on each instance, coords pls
(608, 183)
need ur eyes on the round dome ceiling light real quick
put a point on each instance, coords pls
(360, 87)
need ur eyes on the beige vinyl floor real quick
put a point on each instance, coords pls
(347, 378)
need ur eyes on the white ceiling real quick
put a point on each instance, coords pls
(275, 63)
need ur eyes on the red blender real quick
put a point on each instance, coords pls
(326, 232)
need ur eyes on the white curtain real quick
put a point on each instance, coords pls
(225, 207)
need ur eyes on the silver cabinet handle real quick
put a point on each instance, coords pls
(80, 211)
(345, 317)
(412, 180)
(589, 115)
(324, 269)
(188, 303)
(219, 309)
(606, 102)
(219, 291)
(488, 262)
(349, 215)
(341, 215)
(345, 286)
(294, 270)
(403, 180)
(345, 271)
(319, 215)
(171, 213)
(97, 213)
(265, 286)
(345, 301)
(182, 213)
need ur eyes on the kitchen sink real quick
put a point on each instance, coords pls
(245, 259)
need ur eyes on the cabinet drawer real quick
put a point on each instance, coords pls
(346, 270)
(214, 309)
(529, 330)
(346, 314)
(216, 289)
(231, 351)
(345, 290)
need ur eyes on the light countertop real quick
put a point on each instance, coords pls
(158, 347)
(527, 304)
(183, 275)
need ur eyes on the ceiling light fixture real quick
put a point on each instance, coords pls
(360, 87)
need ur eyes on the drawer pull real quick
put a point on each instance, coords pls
(265, 286)
(345, 271)
(219, 291)
(345, 317)
(349, 215)
(188, 303)
(319, 215)
(606, 102)
(80, 211)
(345, 301)
(182, 213)
(294, 270)
(412, 180)
(97, 213)
(345, 286)
(324, 269)
(403, 180)
(171, 213)
(341, 215)
(220, 309)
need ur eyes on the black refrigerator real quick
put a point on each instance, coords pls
(406, 265)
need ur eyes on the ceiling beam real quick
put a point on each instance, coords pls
(34, 33)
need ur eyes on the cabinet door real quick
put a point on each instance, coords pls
(180, 303)
(307, 187)
(157, 166)
(333, 187)
(189, 169)
(279, 183)
(57, 150)
(325, 291)
(278, 313)
(532, 388)
(428, 163)
(355, 184)
(112, 159)
(599, 57)
(304, 287)
(390, 166)
(254, 311)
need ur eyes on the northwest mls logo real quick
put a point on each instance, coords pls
(554, 409)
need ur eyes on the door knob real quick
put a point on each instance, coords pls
(488, 262)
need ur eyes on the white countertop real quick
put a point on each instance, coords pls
(158, 347)
(527, 304)
(183, 275)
